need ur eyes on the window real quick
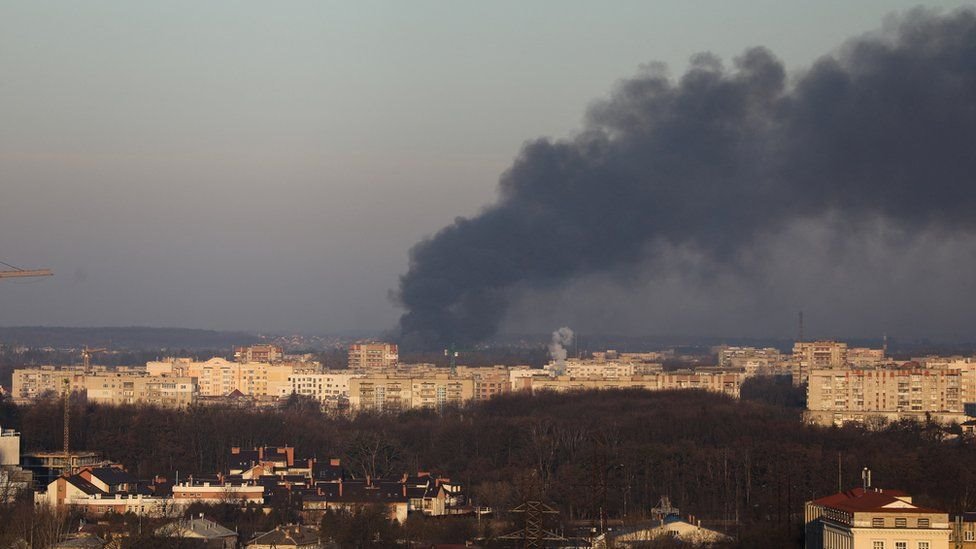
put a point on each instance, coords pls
(877, 522)
(923, 523)
(901, 522)
(901, 545)
(923, 545)
(878, 545)
(969, 536)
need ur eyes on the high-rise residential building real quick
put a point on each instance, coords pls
(373, 356)
(816, 355)
(874, 518)
(258, 353)
(324, 387)
(219, 377)
(30, 383)
(836, 396)
(385, 392)
(126, 388)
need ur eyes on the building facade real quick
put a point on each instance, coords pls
(873, 518)
(373, 356)
(259, 353)
(384, 392)
(839, 396)
(164, 391)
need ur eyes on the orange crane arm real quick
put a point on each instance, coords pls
(21, 273)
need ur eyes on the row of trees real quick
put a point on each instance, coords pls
(748, 463)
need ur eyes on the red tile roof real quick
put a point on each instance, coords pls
(873, 500)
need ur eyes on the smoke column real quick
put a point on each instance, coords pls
(712, 161)
(557, 348)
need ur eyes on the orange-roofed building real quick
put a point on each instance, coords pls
(874, 518)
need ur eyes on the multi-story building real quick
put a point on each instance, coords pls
(373, 356)
(816, 355)
(259, 353)
(718, 382)
(384, 392)
(873, 518)
(30, 383)
(119, 388)
(9, 447)
(491, 384)
(863, 357)
(330, 386)
(219, 377)
(728, 355)
(839, 396)
(593, 369)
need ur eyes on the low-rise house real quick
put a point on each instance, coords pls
(81, 495)
(293, 536)
(351, 494)
(212, 534)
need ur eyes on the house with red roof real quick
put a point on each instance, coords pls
(874, 518)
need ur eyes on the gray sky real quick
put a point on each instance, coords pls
(266, 166)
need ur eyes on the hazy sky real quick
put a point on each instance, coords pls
(267, 166)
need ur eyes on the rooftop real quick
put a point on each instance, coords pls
(873, 500)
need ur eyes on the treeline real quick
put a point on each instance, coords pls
(747, 464)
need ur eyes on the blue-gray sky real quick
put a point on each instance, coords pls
(266, 166)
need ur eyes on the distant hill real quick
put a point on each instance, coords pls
(134, 337)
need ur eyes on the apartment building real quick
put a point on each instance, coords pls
(324, 387)
(491, 384)
(219, 377)
(373, 356)
(874, 518)
(593, 369)
(728, 355)
(259, 353)
(909, 391)
(384, 392)
(125, 388)
(816, 355)
(30, 383)
(863, 357)
(719, 382)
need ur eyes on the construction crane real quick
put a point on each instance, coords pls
(17, 272)
(86, 354)
(453, 353)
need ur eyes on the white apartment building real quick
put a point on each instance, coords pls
(592, 369)
(322, 387)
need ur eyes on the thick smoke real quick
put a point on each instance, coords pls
(713, 162)
(557, 348)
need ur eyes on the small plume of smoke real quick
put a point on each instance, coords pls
(557, 348)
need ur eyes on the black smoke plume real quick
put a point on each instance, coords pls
(883, 128)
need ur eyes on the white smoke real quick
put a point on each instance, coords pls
(557, 349)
